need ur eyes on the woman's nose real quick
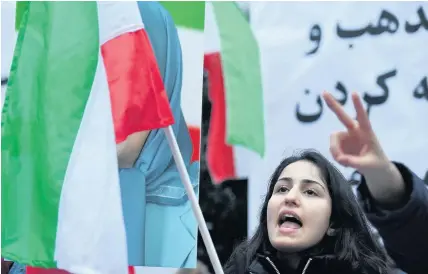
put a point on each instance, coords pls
(292, 197)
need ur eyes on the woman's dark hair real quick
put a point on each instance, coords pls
(353, 242)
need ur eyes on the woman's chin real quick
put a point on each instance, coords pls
(285, 246)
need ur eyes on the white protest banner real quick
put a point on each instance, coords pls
(378, 49)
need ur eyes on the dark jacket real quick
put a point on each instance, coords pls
(405, 230)
(263, 264)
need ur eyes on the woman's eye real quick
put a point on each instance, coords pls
(311, 192)
(282, 189)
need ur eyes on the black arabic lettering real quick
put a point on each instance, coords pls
(315, 36)
(340, 87)
(309, 118)
(423, 22)
(381, 82)
(421, 91)
(4, 81)
(349, 33)
(387, 22)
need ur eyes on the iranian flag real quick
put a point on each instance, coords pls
(236, 132)
(82, 76)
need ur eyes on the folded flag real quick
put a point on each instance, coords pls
(83, 78)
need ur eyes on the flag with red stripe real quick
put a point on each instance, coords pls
(236, 133)
(84, 77)
(138, 98)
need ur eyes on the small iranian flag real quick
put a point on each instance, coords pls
(235, 90)
(83, 78)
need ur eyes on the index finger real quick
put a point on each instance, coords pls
(339, 111)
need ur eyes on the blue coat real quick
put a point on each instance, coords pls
(160, 226)
(405, 230)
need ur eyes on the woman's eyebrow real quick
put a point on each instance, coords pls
(306, 181)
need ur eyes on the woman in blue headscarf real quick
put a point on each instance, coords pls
(160, 226)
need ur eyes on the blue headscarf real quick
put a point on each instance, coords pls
(155, 178)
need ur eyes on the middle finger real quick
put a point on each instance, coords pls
(346, 120)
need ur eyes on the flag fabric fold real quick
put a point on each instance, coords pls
(139, 100)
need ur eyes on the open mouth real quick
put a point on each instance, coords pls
(291, 221)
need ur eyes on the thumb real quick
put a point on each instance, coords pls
(356, 162)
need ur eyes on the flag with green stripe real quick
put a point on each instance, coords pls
(78, 68)
(232, 60)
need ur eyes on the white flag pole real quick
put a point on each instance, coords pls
(194, 201)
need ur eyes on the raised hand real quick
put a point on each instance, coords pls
(357, 146)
